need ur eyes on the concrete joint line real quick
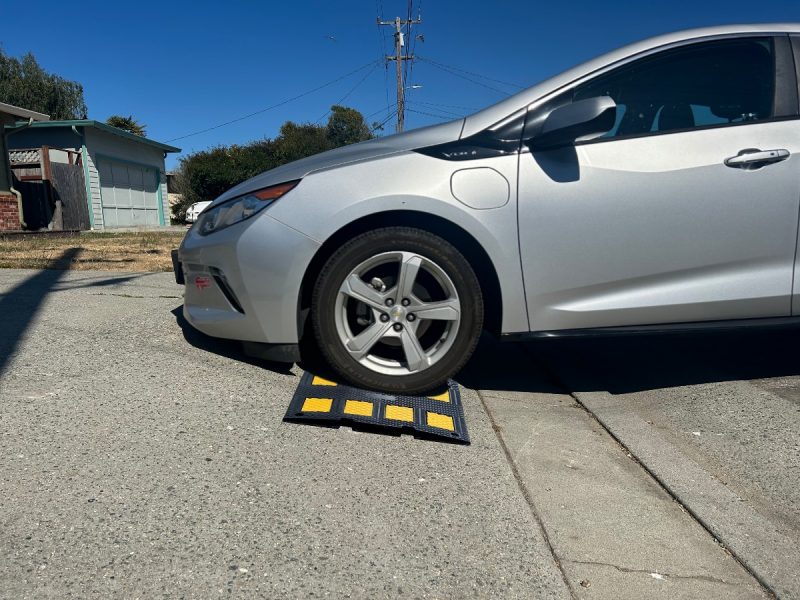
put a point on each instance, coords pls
(526, 495)
(705, 503)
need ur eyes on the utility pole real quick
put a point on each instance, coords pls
(398, 57)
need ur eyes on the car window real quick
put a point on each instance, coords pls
(711, 83)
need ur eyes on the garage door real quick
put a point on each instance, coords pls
(129, 194)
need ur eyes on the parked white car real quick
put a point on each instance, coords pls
(195, 210)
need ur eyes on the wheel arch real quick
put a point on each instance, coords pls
(463, 241)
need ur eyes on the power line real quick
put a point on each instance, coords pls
(352, 89)
(440, 117)
(489, 87)
(413, 42)
(282, 103)
(472, 73)
(386, 83)
(443, 111)
(380, 110)
(457, 74)
(447, 105)
(408, 40)
(382, 123)
(449, 117)
(382, 49)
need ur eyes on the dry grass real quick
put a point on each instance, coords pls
(130, 251)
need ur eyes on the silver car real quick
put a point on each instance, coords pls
(654, 187)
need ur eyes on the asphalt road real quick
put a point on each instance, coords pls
(142, 459)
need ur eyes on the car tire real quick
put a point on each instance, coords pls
(357, 297)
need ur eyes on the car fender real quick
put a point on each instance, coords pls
(328, 201)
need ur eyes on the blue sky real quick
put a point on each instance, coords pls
(182, 66)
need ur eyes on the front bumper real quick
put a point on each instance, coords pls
(243, 282)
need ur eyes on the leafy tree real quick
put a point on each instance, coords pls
(25, 84)
(298, 141)
(346, 126)
(128, 124)
(206, 174)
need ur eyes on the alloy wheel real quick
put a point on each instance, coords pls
(397, 313)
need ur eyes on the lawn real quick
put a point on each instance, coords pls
(129, 251)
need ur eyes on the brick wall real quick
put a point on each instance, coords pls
(9, 214)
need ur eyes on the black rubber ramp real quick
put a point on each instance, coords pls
(439, 416)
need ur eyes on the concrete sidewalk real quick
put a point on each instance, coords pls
(716, 418)
(615, 532)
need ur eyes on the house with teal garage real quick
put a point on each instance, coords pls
(124, 177)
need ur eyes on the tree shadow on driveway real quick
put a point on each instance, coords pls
(632, 363)
(19, 305)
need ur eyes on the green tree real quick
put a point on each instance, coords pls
(346, 126)
(25, 84)
(298, 141)
(206, 174)
(128, 124)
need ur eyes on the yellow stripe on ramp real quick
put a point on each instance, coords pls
(358, 407)
(400, 413)
(321, 381)
(440, 421)
(317, 405)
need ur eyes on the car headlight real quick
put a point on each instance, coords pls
(241, 208)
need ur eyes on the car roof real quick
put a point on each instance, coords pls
(490, 116)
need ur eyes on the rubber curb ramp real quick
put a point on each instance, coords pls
(322, 401)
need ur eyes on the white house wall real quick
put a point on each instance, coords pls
(107, 145)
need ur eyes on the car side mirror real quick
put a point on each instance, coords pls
(583, 119)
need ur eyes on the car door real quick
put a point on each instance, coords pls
(687, 210)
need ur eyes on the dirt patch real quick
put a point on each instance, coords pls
(129, 251)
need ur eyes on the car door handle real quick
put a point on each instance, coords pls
(753, 158)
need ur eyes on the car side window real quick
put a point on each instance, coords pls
(704, 84)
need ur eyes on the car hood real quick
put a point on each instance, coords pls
(392, 144)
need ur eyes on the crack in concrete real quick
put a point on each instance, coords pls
(649, 571)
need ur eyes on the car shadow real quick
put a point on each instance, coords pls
(617, 364)
(231, 349)
(625, 364)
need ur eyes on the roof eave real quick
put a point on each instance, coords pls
(17, 111)
(108, 129)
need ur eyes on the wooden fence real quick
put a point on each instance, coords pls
(53, 192)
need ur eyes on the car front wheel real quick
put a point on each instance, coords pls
(397, 309)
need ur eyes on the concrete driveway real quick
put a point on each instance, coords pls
(142, 459)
